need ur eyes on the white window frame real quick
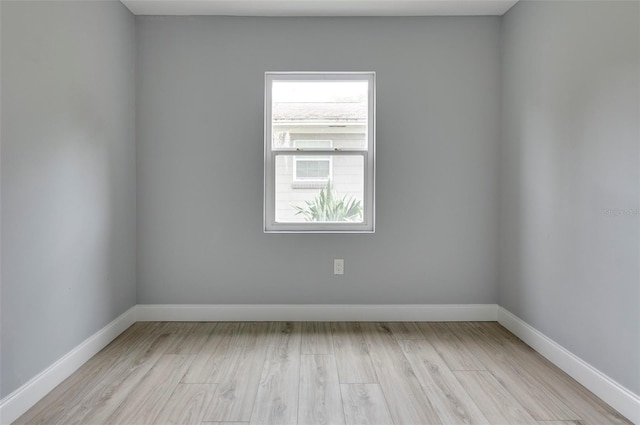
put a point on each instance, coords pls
(368, 156)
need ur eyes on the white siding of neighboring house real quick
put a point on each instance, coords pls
(347, 171)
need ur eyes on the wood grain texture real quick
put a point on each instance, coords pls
(241, 373)
(496, 403)
(364, 404)
(143, 405)
(238, 374)
(316, 338)
(189, 336)
(319, 402)
(407, 402)
(72, 391)
(591, 409)
(561, 423)
(212, 353)
(187, 405)
(352, 354)
(452, 403)
(525, 387)
(450, 347)
(277, 397)
(225, 423)
(405, 330)
(102, 400)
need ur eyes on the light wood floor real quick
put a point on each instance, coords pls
(320, 373)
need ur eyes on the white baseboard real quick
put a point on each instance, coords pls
(620, 398)
(317, 312)
(22, 399)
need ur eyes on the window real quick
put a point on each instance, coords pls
(319, 152)
(311, 172)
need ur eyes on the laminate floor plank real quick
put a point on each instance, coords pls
(212, 353)
(187, 405)
(238, 375)
(241, 373)
(588, 406)
(103, 399)
(452, 350)
(591, 409)
(450, 400)
(352, 354)
(495, 402)
(500, 331)
(405, 330)
(225, 423)
(319, 401)
(523, 386)
(407, 402)
(316, 338)
(364, 404)
(190, 337)
(277, 397)
(560, 423)
(73, 390)
(144, 404)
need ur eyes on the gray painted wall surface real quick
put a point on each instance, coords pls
(68, 178)
(569, 170)
(199, 96)
(570, 226)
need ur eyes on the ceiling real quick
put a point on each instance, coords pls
(320, 7)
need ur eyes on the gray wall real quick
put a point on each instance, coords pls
(68, 178)
(570, 220)
(199, 94)
(569, 170)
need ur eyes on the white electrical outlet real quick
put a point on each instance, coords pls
(338, 266)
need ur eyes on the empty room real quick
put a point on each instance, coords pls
(338, 212)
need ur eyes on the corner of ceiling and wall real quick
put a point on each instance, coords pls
(321, 8)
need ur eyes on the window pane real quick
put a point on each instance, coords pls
(339, 199)
(312, 169)
(331, 110)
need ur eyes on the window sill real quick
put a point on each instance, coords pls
(308, 184)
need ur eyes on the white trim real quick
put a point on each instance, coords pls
(22, 399)
(317, 312)
(620, 398)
